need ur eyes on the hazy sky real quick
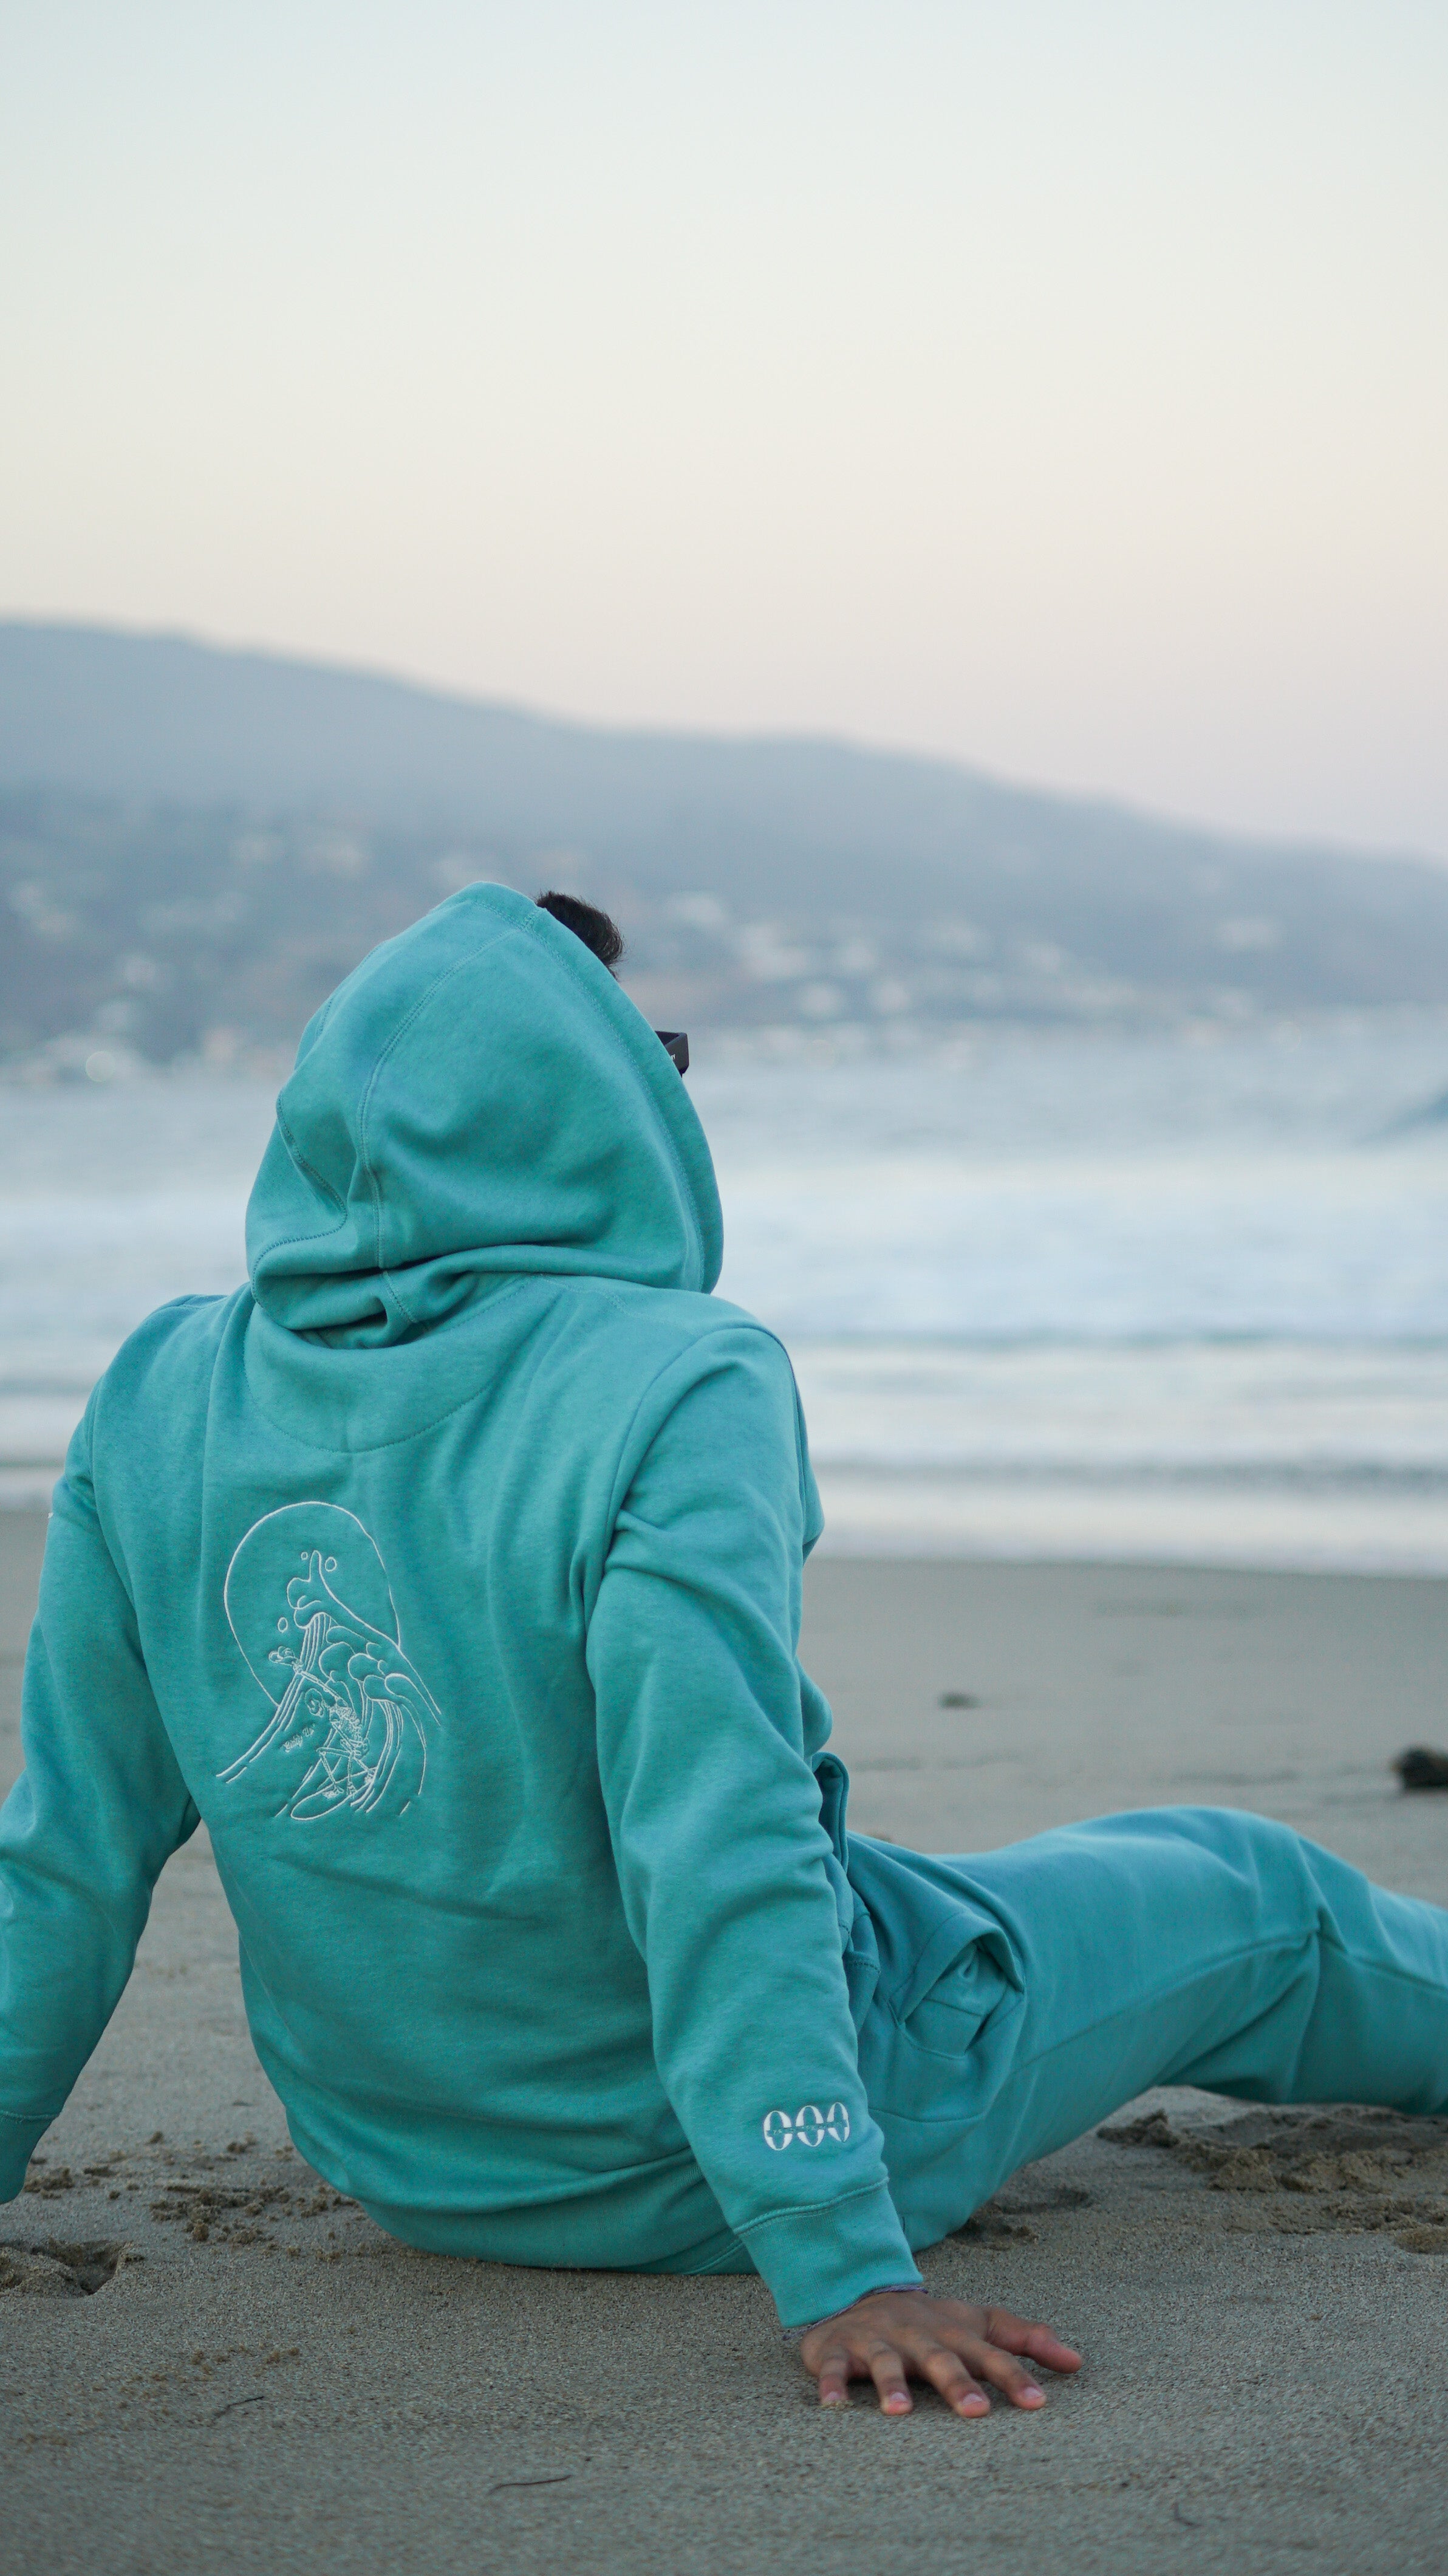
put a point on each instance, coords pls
(1058, 383)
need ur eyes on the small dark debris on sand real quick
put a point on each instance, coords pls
(48, 2181)
(1421, 1768)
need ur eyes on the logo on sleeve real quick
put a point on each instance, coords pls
(809, 2126)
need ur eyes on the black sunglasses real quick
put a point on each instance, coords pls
(676, 1047)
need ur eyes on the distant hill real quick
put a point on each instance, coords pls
(194, 844)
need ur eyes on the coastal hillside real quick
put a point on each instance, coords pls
(195, 844)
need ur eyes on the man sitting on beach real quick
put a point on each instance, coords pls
(451, 1572)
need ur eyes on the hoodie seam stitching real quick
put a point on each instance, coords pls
(300, 1163)
(810, 2208)
(721, 1323)
(331, 1449)
(604, 1289)
(532, 928)
(424, 999)
(676, 1360)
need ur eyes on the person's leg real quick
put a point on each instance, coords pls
(1181, 1945)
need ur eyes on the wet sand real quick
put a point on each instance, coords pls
(208, 2361)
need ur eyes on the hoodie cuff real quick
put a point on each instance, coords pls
(819, 2261)
(19, 2137)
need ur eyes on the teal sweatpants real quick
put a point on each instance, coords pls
(1027, 1993)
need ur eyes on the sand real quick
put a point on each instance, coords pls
(224, 2368)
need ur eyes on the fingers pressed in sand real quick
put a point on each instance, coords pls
(888, 2374)
(947, 2373)
(1006, 2374)
(1013, 2334)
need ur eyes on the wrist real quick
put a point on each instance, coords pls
(882, 2290)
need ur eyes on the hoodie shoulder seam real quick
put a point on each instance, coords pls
(714, 1326)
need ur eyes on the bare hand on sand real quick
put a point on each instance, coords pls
(896, 2335)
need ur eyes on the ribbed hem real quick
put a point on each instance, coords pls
(818, 2261)
(19, 2138)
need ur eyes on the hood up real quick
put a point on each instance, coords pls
(478, 1098)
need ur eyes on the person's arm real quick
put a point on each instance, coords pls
(715, 1818)
(84, 1833)
(723, 1864)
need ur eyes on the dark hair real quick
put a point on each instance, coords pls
(587, 923)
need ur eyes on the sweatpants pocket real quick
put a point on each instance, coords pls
(952, 2013)
(943, 2022)
(945, 2058)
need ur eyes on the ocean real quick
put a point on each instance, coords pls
(1157, 1296)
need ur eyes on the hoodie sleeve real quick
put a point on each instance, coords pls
(715, 1818)
(97, 1811)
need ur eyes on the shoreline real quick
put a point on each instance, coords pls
(942, 1517)
(1081, 1687)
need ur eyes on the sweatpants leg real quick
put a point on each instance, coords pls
(1183, 1945)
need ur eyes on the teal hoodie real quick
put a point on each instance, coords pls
(450, 1573)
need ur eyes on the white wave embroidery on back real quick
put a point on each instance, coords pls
(309, 1604)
